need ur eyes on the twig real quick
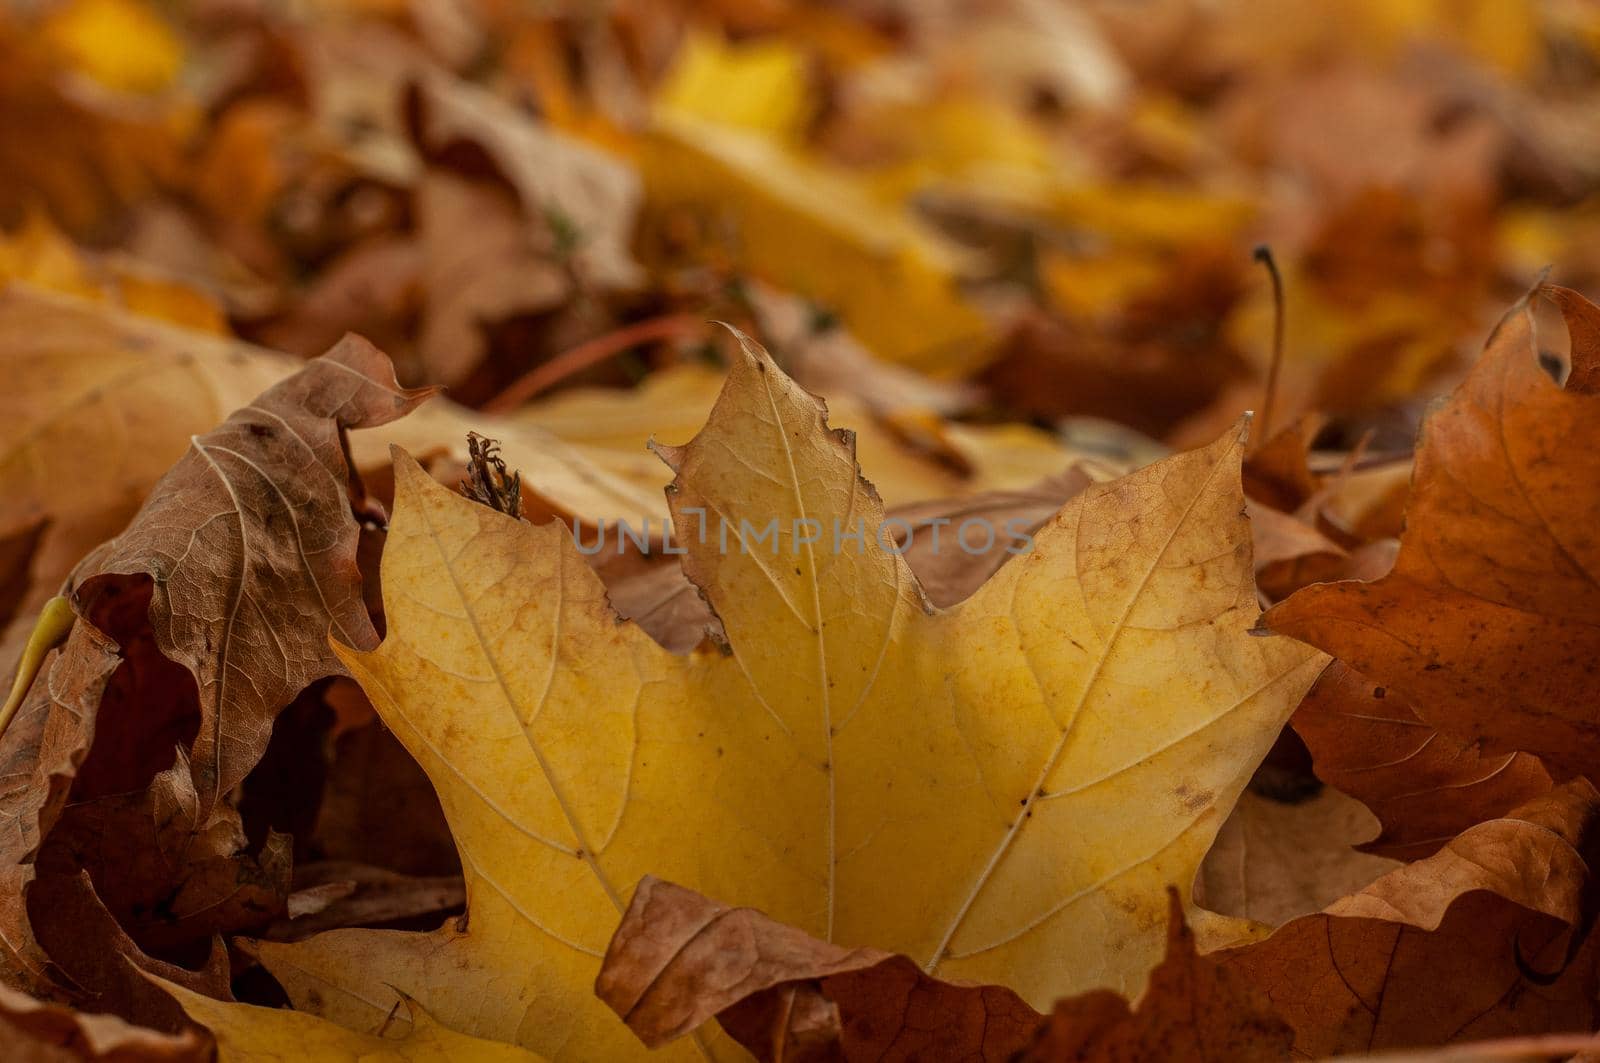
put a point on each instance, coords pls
(591, 352)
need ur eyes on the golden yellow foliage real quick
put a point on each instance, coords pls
(610, 429)
(760, 87)
(247, 1033)
(40, 254)
(122, 44)
(1003, 790)
(719, 151)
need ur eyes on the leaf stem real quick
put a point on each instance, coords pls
(1263, 255)
(592, 352)
(51, 630)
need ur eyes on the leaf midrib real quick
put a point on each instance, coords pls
(585, 850)
(822, 654)
(942, 951)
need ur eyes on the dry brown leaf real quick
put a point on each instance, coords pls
(168, 876)
(373, 289)
(582, 200)
(99, 966)
(1424, 786)
(1276, 860)
(679, 959)
(1194, 1011)
(98, 405)
(250, 544)
(36, 1032)
(1476, 941)
(1277, 473)
(661, 600)
(340, 893)
(1289, 553)
(102, 722)
(1370, 504)
(1158, 362)
(39, 755)
(1489, 622)
(481, 263)
(102, 726)
(377, 807)
(103, 755)
(1583, 337)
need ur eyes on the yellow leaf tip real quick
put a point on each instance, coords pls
(406, 468)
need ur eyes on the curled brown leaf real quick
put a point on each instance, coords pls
(250, 545)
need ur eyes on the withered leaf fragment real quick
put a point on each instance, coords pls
(101, 969)
(952, 569)
(250, 543)
(98, 405)
(37, 1032)
(1476, 941)
(679, 958)
(39, 755)
(1583, 337)
(1194, 1011)
(1489, 622)
(1275, 860)
(1424, 786)
(169, 877)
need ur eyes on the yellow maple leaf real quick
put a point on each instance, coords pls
(247, 1033)
(611, 427)
(40, 254)
(759, 86)
(122, 44)
(720, 150)
(1003, 790)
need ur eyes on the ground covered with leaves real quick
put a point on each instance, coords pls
(834, 530)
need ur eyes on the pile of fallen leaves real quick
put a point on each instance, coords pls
(665, 689)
